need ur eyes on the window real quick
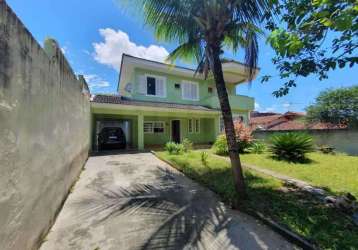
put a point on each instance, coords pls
(190, 91)
(152, 86)
(194, 126)
(158, 127)
(153, 127)
(148, 127)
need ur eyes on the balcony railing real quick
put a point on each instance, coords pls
(239, 102)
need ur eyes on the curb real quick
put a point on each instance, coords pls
(286, 233)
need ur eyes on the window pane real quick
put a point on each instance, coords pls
(150, 85)
(158, 130)
(197, 126)
(190, 126)
(148, 127)
(190, 91)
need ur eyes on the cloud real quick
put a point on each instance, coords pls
(286, 105)
(96, 82)
(64, 50)
(270, 109)
(109, 52)
(257, 106)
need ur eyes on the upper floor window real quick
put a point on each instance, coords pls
(190, 91)
(152, 85)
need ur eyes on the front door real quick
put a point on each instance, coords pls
(176, 131)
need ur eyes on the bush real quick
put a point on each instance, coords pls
(291, 146)
(257, 147)
(220, 146)
(326, 149)
(243, 136)
(174, 148)
(204, 158)
(187, 144)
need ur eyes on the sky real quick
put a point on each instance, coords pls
(94, 35)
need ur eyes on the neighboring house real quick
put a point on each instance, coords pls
(158, 102)
(286, 122)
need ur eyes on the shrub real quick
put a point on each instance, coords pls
(291, 146)
(257, 147)
(187, 144)
(174, 148)
(326, 149)
(243, 136)
(204, 158)
(220, 146)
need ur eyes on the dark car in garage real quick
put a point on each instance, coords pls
(111, 138)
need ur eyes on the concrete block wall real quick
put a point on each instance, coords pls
(44, 132)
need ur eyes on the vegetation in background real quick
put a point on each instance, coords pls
(336, 173)
(257, 147)
(291, 146)
(220, 145)
(326, 149)
(204, 158)
(312, 37)
(296, 210)
(187, 145)
(202, 28)
(174, 148)
(243, 136)
(338, 106)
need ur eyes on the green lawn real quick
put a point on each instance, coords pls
(336, 173)
(298, 211)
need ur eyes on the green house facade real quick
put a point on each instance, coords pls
(158, 102)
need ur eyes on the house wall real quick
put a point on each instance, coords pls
(44, 133)
(173, 94)
(206, 135)
(345, 141)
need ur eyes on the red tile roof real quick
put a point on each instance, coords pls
(288, 121)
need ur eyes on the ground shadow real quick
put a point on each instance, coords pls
(292, 208)
(186, 216)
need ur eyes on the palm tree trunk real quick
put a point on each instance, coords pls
(228, 122)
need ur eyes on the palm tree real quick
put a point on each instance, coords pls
(203, 28)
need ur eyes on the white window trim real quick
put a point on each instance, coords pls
(156, 77)
(193, 126)
(153, 122)
(197, 92)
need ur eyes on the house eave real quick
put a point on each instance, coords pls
(136, 108)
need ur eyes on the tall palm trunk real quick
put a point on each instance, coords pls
(228, 122)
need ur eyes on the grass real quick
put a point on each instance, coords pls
(294, 209)
(336, 173)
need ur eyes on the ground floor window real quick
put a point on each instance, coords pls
(153, 127)
(194, 125)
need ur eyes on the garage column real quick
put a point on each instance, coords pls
(140, 132)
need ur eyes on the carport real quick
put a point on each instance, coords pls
(126, 122)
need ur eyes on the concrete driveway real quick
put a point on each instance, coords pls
(135, 201)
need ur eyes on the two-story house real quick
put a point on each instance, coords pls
(158, 102)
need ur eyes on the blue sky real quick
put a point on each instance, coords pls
(93, 36)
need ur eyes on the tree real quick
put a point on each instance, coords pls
(203, 28)
(312, 37)
(339, 106)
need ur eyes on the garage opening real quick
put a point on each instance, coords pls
(112, 134)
